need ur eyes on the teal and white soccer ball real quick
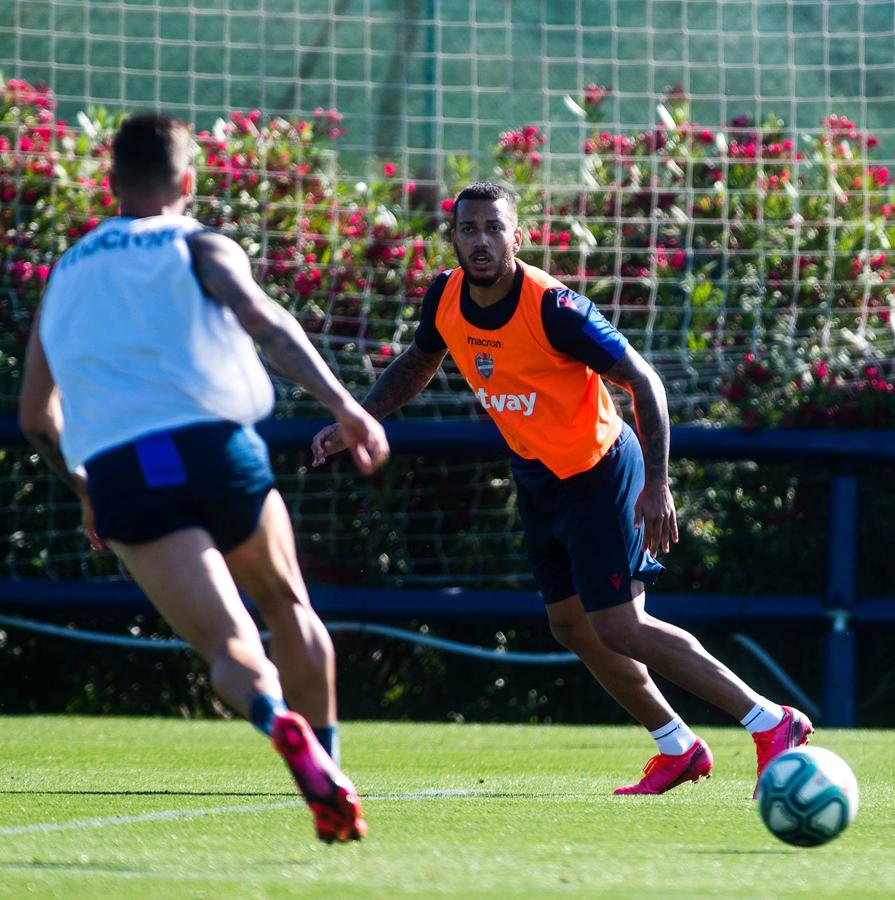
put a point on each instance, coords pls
(807, 796)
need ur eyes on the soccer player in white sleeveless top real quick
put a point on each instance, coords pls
(141, 389)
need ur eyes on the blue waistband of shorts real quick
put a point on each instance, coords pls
(534, 471)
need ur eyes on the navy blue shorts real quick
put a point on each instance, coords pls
(212, 475)
(579, 531)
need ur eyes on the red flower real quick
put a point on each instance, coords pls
(595, 94)
(880, 175)
(389, 169)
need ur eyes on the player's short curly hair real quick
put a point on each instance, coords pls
(150, 152)
(484, 190)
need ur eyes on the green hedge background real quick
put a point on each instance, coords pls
(752, 267)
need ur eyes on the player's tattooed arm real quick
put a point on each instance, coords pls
(401, 381)
(655, 506)
(404, 378)
(224, 271)
(635, 375)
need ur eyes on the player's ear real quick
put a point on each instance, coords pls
(517, 239)
(187, 182)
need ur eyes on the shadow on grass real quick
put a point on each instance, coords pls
(74, 867)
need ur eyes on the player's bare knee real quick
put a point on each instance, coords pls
(280, 595)
(617, 636)
(571, 634)
(310, 631)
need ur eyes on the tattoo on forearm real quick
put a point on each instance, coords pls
(650, 410)
(652, 424)
(402, 381)
(289, 358)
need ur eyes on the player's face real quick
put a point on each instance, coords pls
(486, 240)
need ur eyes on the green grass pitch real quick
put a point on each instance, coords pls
(160, 808)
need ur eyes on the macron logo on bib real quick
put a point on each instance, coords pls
(524, 403)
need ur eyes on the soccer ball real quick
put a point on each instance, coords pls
(807, 796)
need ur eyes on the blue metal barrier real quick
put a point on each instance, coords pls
(839, 605)
(97, 597)
(688, 441)
(841, 599)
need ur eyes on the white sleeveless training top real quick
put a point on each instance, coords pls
(135, 346)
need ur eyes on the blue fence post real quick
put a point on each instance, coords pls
(842, 569)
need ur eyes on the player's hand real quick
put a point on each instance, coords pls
(327, 442)
(654, 509)
(360, 433)
(365, 438)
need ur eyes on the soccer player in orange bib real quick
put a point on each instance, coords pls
(595, 501)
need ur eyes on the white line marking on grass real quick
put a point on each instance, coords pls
(160, 816)
(169, 814)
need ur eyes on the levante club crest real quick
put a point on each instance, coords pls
(484, 362)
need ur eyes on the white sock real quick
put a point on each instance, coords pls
(762, 716)
(674, 738)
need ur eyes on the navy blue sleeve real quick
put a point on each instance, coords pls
(576, 327)
(427, 337)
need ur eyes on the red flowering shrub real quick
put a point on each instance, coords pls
(760, 393)
(750, 250)
(518, 154)
(751, 264)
